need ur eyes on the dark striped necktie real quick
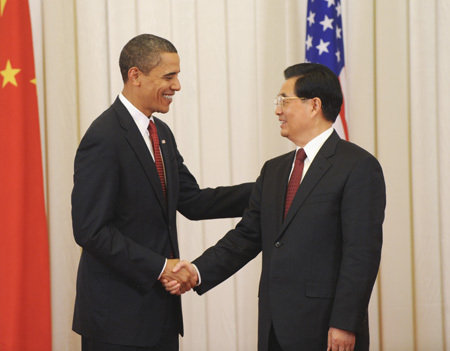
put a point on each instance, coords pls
(157, 154)
(295, 180)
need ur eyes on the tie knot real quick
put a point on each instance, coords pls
(301, 155)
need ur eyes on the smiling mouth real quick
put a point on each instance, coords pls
(168, 97)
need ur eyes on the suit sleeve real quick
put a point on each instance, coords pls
(362, 215)
(196, 204)
(238, 247)
(94, 198)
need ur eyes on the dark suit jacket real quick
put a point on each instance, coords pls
(121, 221)
(320, 263)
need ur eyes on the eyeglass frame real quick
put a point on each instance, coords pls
(279, 100)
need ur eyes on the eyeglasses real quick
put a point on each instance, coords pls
(279, 101)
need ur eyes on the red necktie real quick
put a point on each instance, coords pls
(296, 177)
(157, 154)
(158, 162)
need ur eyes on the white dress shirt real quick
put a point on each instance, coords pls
(311, 150)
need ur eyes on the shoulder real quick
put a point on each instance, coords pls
(352, 152)
(161, 125)
(348, 147)
(278, 164)
(114, 118)
(104, 129)
(287, 157)
(164, 129)
(357, 163)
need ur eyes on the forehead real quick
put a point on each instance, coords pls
(169, 64)
(288, 87)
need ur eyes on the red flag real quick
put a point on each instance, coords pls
(25, 322)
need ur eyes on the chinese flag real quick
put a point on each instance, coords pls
(25, 322)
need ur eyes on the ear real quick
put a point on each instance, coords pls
(134, 75)
(316, 105)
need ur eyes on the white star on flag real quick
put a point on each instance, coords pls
(330, 2)
(327, 23)
(310, 18)
(309, 43)
(338, 55)
(322, 47)
(338, 9)
(338, 33)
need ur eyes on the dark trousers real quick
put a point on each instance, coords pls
(169, 340)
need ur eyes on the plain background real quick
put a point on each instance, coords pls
(233, 53)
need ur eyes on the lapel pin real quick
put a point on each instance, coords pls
(163, 141)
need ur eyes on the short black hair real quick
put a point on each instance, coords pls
(144, 52)
(316, 80)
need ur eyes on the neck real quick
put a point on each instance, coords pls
(303, 140)
(132, 97)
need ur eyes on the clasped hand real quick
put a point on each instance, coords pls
(179, 276)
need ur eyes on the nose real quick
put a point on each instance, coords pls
(176, 84)
(278, 110)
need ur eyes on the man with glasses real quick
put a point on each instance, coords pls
(316, 214)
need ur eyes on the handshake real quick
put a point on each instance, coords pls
(179, 276)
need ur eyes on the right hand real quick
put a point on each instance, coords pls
(179, 276)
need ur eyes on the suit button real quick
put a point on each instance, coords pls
(277, 244)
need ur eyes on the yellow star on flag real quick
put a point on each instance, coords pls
(9, 74)
(2, 6)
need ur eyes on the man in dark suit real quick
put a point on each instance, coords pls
(320, 250)
(129, 181)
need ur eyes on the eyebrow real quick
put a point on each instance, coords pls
(170, 74)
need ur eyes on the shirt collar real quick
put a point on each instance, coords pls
(313, 147)
(141, 120)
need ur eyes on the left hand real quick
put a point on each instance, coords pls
(340, 340)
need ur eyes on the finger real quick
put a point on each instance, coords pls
(179, 265)
(168, 283)
(173, 287)
(171, 284)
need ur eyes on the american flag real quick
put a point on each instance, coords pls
(325, 44)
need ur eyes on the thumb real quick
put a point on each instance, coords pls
(180, 265)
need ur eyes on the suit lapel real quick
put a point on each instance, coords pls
(134, 138)
(319, 167)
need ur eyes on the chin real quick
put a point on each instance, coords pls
(163, 110)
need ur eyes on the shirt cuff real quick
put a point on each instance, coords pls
(164, 267)
(198, 274)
